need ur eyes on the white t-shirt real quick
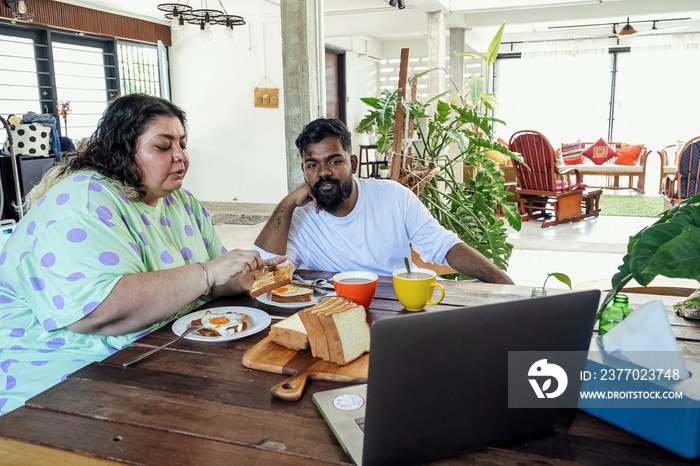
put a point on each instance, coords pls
(375, 237)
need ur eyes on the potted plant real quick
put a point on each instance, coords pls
(379, 120)
(477, 209)
(669, 247)
(384, 170)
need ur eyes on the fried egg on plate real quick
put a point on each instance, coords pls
(226, 323)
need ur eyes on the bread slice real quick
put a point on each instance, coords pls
(290, 333)
(317, 338)
(292, 294)
(349, 338)
(324, 318)
(267, 281)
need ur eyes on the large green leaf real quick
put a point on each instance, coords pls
(495, 46)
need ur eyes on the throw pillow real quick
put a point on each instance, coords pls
(572, 153)
(497, 156)
(30, 139)
(599, 152)
(628, 154)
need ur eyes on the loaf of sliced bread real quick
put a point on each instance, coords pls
(269, 280)
(337, 330)
(290, 333)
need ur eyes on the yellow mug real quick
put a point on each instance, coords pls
(415, 290)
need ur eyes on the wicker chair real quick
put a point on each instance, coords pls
(684, 183)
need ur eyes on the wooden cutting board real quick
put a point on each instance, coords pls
(301, 366)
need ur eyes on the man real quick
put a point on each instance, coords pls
(335, 222)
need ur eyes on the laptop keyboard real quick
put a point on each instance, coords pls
(360, 421)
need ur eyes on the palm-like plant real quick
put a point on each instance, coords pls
(380, 119)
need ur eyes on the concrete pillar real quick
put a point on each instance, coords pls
(456, 61)
(437, 45)
(303, 65)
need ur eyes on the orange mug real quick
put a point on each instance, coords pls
(357, 286)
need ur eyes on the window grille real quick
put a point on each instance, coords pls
(138, 69)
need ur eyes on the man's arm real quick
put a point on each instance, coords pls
(469, 261)
(273, 237)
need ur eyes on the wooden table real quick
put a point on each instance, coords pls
(195, 403)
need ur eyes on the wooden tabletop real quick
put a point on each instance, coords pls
(195, 403)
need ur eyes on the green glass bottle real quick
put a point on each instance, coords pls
(614, 313)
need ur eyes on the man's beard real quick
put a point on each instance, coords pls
(332, 200)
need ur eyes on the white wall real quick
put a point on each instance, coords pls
(237, 150)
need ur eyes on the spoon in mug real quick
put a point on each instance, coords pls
(408, 267)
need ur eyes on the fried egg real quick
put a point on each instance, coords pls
(225, 324)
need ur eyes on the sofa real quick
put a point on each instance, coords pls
(605, 172)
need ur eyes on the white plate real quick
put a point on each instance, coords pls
(257, 320)
(265, 299)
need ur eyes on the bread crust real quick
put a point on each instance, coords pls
(290, 333)
(267, 281)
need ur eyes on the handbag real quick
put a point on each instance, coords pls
(30, 139)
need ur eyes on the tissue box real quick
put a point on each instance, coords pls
(676, 429)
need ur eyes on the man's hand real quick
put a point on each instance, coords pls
(302, 196)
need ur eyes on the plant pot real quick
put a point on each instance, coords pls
(384, 173)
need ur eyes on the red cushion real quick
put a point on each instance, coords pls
(599, 152)
(558, 184)
(628, 154)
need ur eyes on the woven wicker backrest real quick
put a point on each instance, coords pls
(688, 169)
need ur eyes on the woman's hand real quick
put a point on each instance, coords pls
(234, 271)
(246, 279)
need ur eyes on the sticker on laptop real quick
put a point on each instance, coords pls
(348, 402)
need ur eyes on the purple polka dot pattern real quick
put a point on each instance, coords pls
(186, 253)
(49, 324)
(111, 350)
(23, 255)
(62, 198)
(188, 209)
(48, 260)
(104, 212)
(206, 243)
(143, 238)
(107, 222)
(145, 220)
(168, 201)
(3, 257)
(5, 299)
(165, 222)
(123, 198)
(95, 186)
(11, 382)
(30, 227)
(199, 224)
(2, 403)
(64, 377)
(135, 248)
(58, 302)
(166, 257)
(76, 235)
(224, 250)
(188, 230)
(34, 242)
(10, 287)
(5, 365)
(89, 307)
(75, 276)
(142, 334)
(50, 222)
(16, 348)
(108, 258)
(17, 332)
(187, 192)
(41, 201)
(37, 283)
(38, 363)
(205, 213)
(56, 343)
(126, 221)
(79, 178)
(45, 351)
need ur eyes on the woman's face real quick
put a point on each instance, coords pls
(162, 158)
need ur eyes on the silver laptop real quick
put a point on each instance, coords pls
(439, 383)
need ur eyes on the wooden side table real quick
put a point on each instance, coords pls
(372, 168)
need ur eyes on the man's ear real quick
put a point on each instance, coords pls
(353, 163)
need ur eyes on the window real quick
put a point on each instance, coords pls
(18, 75)
(138, 69)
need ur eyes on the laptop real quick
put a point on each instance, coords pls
(438, 382)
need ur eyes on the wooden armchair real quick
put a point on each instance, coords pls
(546, 194)
(684, 183)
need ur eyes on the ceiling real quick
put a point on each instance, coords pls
(525, 19)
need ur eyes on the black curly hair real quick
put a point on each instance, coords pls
(320, 129)
(111, 150)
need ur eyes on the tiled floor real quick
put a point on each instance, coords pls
(588, 251)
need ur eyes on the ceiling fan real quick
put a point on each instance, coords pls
(627, 28)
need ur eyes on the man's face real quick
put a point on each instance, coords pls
(328, 169)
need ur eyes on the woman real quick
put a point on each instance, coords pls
(111, 249)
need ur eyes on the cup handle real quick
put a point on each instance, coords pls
(442, 293)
